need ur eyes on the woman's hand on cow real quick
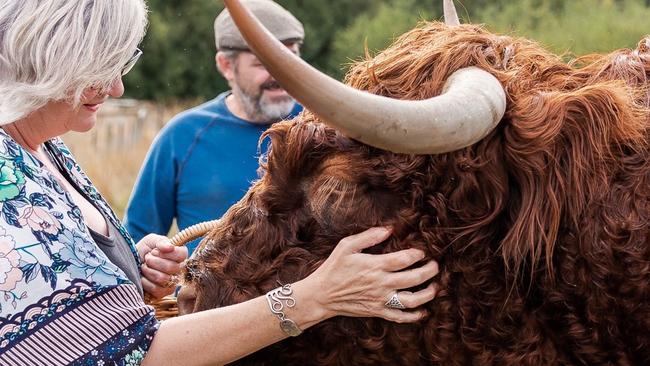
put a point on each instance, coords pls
(348, 283)
(352, 283)
(161, 261)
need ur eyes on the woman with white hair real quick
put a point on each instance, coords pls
(71, 278)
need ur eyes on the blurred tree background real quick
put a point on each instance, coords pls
(178, 62)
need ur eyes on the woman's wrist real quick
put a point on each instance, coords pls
(307, 311)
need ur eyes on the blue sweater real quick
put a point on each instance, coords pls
(201, 163)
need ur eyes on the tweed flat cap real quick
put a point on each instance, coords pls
(282, 24)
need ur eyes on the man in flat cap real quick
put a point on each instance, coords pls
(204, 159)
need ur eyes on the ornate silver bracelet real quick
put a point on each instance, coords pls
(278, 299)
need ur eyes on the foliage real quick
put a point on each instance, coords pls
(179, 48)
(579, 26)
(373, 31)
(178, 60)
(322, 20)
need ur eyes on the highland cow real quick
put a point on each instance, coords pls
(541, 228)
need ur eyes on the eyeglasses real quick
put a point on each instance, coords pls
(132, 61)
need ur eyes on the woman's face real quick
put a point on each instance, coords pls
(83, 117)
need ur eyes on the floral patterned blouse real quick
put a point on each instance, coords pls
(61, 300)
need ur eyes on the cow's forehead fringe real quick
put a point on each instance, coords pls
(566, 125)
(416, 65)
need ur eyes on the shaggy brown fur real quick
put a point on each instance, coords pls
(541, 229)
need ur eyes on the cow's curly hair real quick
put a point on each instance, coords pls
(542, 229)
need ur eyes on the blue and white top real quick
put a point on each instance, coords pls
(61, 299)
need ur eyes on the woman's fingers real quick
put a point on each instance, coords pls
(176, 254)
(396, 261)
(358, 242)
(412, 300)
(154, 276)
(412, 277)
(155, 290)
(400, 316)
(149, 243)
(162, 264)
(160, 246)
(159, 267)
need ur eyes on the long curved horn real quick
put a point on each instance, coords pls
(451, 17)
(471, 105)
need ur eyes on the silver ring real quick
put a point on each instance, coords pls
(394, 302)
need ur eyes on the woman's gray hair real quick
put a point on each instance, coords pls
(55, 49)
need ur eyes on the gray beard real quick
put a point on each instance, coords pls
(259, 110)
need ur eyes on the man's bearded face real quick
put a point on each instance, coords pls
(263, 99)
